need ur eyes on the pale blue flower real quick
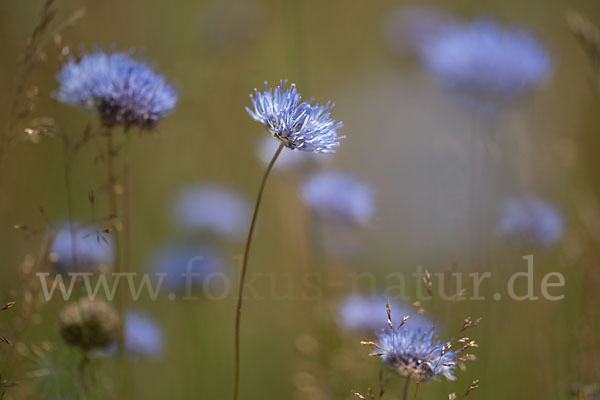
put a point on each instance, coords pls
(81, 249)
(338, 197)
(297, 124)
(122, 90)
(531, 220)
(143, 336)
(212, 208)
(488, 62)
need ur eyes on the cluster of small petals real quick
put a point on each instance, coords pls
(532, 220)
(122, 90)
(416, 353)
(297, 124)
(338, 197)
(485, 60)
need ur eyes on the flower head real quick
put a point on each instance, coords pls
(338, 197)
(143, 336)
(362, 314)
(485, 61)
(531, 219)
(415, 353)
(297, 124)
(188, 267)
(89, 324)
(122, 90)
(213, 208)
(81, 249)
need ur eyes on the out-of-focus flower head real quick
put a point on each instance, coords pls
(143, 336)
(338, 197)
(188, 268)
(212, 208)
(363, 314)
(297, 124)
(531, 220)
(81, 249)
(89, 324)
(484, 61)
(415, 353)
(122, 90)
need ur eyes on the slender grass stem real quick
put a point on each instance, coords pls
(238, 315)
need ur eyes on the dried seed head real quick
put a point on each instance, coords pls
(89, 324)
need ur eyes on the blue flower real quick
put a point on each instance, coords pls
(93, 250)
(288, 160)
(122, 90)
(212, 208)
(531, 219)
(143, 336)
(338, 197)
(485, 61)
(187, 265)
(297, 124)
(363, 314)
(416, 353)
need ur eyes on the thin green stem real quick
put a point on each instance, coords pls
(238, 315)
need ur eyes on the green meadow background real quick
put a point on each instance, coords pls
(405, 137)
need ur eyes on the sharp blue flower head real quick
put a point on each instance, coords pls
(188, 268)
(143, 336)
(212, 208)
(485, 61)
(338, 197)
(532, 220)
(363, 314)
(416, 353)
(81, 249)
(297, 124)
(122, 90)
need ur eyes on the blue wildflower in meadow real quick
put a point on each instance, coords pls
(188, 268)
(362, 314)
(143, 336)
(212, 208)
(338, 197)
(81, 249)
(531, 220)
(122, 90)
(416, 353)
(488, 62)
(297, 124)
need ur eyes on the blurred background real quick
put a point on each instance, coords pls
(438, 176)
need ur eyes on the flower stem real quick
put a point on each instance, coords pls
(406, 386)
(238, 315)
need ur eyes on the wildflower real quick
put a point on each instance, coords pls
(415, 353)
(122, 90)
(531, 219)
(188, 267)
(81, 249)
(338, 197)
(361, 313)
(487, 62)
(297, 124)
(89, 324)
(143, 336)
(212, 208)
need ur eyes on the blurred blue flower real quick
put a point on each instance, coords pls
(338, 197)
(188, 265)
(485, 61)
(92, 251)
(531, 219)
(415, 353)
(212, 208)
(143, 336)
(364, 314)
(297, 124)
(122, 90)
